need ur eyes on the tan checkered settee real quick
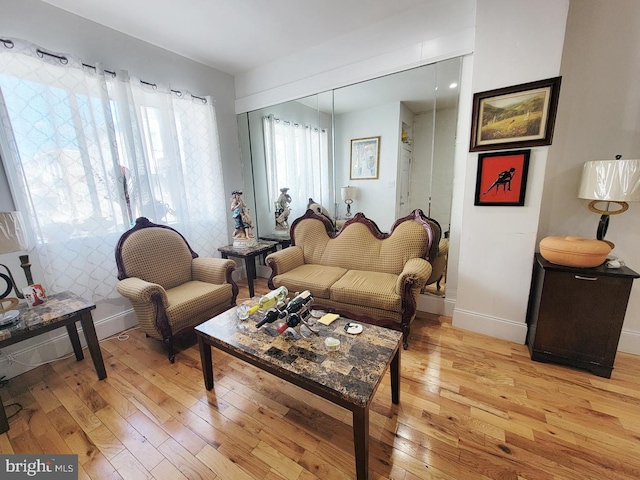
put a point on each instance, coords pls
(170, 287)
(360, 272)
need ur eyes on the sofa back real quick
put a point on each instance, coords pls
(154, 253)
(360, 245)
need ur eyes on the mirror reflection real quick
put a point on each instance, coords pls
(382, 147)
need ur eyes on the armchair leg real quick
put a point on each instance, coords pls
(168, 342)
(405, 336)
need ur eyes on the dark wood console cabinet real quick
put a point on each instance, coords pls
(575, 315)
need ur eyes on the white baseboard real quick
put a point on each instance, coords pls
(629, 342)
(517, 332)
(492, 326)
(31, 353)
(436, 305)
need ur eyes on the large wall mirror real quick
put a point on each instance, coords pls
(391, 138)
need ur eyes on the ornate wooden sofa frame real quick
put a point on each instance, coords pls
(360, 272)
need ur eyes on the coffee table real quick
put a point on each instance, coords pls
(348, 377)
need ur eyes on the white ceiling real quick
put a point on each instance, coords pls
(235, 36)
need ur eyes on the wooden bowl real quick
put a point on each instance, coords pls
(574, 251)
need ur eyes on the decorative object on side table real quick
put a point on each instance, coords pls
(242, 236)
(34, 294)
(13, 238)
(574, 251)
(611, 181)
(282, 212)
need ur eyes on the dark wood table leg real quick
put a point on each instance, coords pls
(92, 343)
(361, 441)
(207, 364)
(250, 264)
(72, 331)
(395, 377)
(4, 421)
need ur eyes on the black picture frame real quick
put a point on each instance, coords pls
(514, 117)
(501, 179)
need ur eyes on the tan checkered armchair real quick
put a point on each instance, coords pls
(170, 287)
(360, 272)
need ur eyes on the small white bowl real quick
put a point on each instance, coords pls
(332, 344)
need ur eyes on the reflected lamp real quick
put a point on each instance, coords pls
(348, 196)
(13, 238)
(613, 182)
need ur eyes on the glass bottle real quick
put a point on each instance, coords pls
(270, 299)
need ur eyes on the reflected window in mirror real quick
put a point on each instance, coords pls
(296, 156)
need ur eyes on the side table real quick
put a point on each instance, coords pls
(60, 310)
(575, 315)
(284, 241)
(249, 255)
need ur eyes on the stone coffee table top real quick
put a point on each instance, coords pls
(354, 371)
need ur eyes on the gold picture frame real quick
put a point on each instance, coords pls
(515, 117)
(365, 158)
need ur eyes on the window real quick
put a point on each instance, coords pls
(297, 158)
(87, 152)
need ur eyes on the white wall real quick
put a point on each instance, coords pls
(516, 42)
(60, 31)
(598, 117)
(382, 121)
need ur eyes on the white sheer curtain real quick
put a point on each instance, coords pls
(88, 151)
(296, 157)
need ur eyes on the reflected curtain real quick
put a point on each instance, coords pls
(296, 157)
(87, 151)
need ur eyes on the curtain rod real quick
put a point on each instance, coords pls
(64, 61)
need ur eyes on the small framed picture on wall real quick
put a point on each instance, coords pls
(502, 178)
(365, 158)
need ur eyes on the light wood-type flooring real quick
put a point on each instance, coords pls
(471, 407)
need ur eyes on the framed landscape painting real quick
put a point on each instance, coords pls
(365, 158)
(518, 116)
(502, 178)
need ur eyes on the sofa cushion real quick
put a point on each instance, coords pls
(192, 299)
(315, 278)
(371, 289)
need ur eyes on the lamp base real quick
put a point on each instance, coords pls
(26, 266)
(603, 225)
(348, 202)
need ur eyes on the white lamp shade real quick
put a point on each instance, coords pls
(13, 237)
(348, 193)
(611, 180)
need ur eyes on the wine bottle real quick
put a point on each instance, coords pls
(293, 321)
(271, 316)
(298, 302)
(270, 299)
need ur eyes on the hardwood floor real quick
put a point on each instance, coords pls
(471, 407)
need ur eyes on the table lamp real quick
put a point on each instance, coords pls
(13, 238)
(348, 196)
(611, 181)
